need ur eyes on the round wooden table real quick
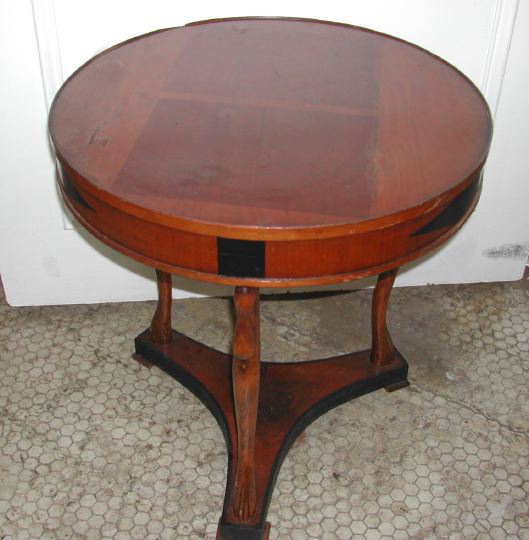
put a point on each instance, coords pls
(264, 152)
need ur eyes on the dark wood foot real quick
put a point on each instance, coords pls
(291, 396)
(397, 386)
(141, 360)
(240, 532)
(161, 332)
(382, 349)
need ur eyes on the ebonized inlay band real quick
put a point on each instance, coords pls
(243, 258)
(454, 211)
(70, 189)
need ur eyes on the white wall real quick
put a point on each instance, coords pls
(44, 260)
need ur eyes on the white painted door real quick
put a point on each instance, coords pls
(45, 259)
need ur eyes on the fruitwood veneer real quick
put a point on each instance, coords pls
(267, 152)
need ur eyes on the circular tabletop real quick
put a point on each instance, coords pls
(273, 129)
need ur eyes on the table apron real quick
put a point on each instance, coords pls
(267, 263)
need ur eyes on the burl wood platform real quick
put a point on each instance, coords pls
(269, 153)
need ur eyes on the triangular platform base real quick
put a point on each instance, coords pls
(292, 395)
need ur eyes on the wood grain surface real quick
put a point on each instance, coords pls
(325, 147)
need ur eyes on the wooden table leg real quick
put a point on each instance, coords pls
(161, 332)
(382, 348)
(245, 377)
(383, 351)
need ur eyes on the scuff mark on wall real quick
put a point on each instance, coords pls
(51, 266)
(508, 251)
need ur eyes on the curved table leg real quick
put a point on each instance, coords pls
(382, 348)
(160, 332)
(245, 377)
(383, 351)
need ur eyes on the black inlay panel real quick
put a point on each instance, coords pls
(242, 258)
(70, 189)
(454, 211)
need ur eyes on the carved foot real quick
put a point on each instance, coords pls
(244, 498)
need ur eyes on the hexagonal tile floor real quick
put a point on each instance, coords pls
(94, 445)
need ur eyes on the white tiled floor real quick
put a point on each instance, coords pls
(93, 445)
